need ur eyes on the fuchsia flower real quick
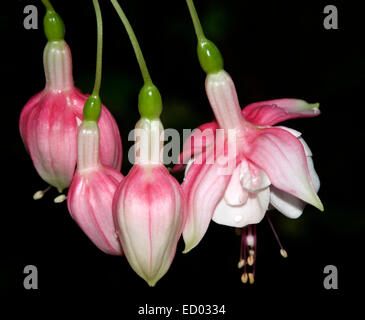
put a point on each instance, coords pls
(91, 192)
(270, 164)
(48, 122)
(148, 207)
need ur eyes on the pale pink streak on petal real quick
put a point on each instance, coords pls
(235, 195)
(271, 112)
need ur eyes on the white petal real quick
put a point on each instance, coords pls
(253, 178)
(288, 205)
(251, 212)
(235, 195)
(307, 151)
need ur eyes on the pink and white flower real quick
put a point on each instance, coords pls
(49, 121)
(91, 193)
(148, 207)
(270, 164)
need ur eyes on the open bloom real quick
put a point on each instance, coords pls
(48, 122)
(233, 176)
(91, 192)
(148, 207)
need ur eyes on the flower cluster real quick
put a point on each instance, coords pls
(238, 166)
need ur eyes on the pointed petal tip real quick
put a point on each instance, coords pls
(314, 107)
(151, 282)
(188, 247)
(318, 204)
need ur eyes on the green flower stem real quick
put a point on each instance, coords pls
(54, 28)
(133, 39)
(149, 98)
(99, 50)
(209, 55)
(92, 107)
(48, 5)
(196, 22)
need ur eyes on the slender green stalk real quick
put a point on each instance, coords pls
(133, 39)
(194, 16)
(48, 5)
(99, 50)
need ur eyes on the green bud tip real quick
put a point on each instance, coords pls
(209, 56)
(92, 108)
(149, 101)
(53, 26)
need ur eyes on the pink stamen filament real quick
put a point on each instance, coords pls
(282, 250)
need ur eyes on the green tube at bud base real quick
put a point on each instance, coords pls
(149, 102)
(209, 56)
(92, 108)
(53, 26)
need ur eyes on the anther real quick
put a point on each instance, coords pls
(283, 253)
(250, 260)
(251, 278)
(241, 264)
(39, 194)
(60, 198)
(244, 277)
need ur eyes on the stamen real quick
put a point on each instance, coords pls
(283, 252)
(250, 260)
(60, 198)
(248, 248)
(251, 278)
(244, 277)
(39, 194)
(241, 264)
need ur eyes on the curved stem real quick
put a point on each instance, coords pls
(194, 16)
(48, 5)
(99, 50)
(133, 39)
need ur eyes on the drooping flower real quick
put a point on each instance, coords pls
(91, 193)
(148, 205)
(49, 121)
(270, 164)
(90, 196)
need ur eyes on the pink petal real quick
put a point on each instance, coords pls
(110, 141)
(24, 116)
(89, 202)
(204, 187)
(51, 136)
(148, 210)
(287, 204)
(268, 113)
(201, 138)
(283, 159)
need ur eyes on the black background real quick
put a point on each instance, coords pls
(272, 49)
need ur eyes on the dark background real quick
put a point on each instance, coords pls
(272, 49)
